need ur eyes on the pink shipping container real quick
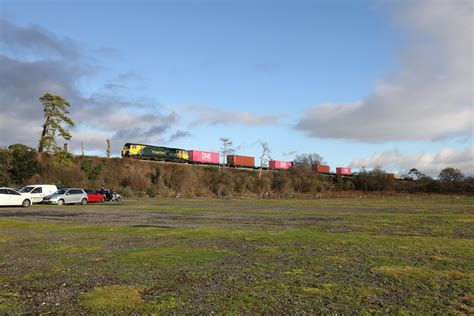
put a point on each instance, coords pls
(275, 164)
(203, 156)
(340, 170)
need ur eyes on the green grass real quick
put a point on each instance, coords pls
(113, 298)
(353, 255)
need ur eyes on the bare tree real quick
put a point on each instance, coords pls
(450, 175)
(226, 148)
(308, 160)
(416, 174)
(264, 157)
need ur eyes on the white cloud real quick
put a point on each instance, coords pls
(430, 98)
(428, 163)
(209, 115)
(92, 142)
(34, 61)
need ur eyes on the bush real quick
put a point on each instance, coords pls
(263, 186)
(5, 163)
(63, 158)
(222, 184)
(92, 172)
(307, 181)
(22, 163)
(281, 184)
(151, 191)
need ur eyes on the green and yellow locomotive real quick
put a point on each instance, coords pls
(141, 151)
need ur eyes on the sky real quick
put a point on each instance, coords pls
(363, 83)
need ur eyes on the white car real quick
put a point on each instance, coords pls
(39, 191)
(11, 197)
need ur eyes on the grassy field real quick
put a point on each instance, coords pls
(401, 254)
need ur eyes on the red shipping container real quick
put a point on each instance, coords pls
(203, 156)
(321, 168)
(275, 164)
(240, 161)
(341, 170)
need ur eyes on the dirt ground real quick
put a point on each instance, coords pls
(384, 255)
(189, 214)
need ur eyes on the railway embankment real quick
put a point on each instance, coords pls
(138, 178)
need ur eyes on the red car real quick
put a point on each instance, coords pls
(95, 197)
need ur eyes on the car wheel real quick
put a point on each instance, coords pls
(26, 203)
(84, 201)
(61, 202)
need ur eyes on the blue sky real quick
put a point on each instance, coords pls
(277, 61)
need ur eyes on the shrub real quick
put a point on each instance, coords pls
(281, 184)
(23, 163)
(222, 184)
(5, 163)
(263, 186)
(92, 172)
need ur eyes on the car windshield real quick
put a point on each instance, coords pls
(26, 189)
(62, 191)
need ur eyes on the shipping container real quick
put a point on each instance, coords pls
(299, 164)
(321, 168)
(392, 176)
(203, 156)
(275, 164)
(240, 161)
(344, 171)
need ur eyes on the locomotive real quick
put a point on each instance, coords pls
(142, 151)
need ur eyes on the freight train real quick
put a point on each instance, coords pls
(150, 152)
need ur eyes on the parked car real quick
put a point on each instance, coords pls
(11, 197)
(94, 196)
(39, 191)
(115, 197)
(67, 196)
(110, 196)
